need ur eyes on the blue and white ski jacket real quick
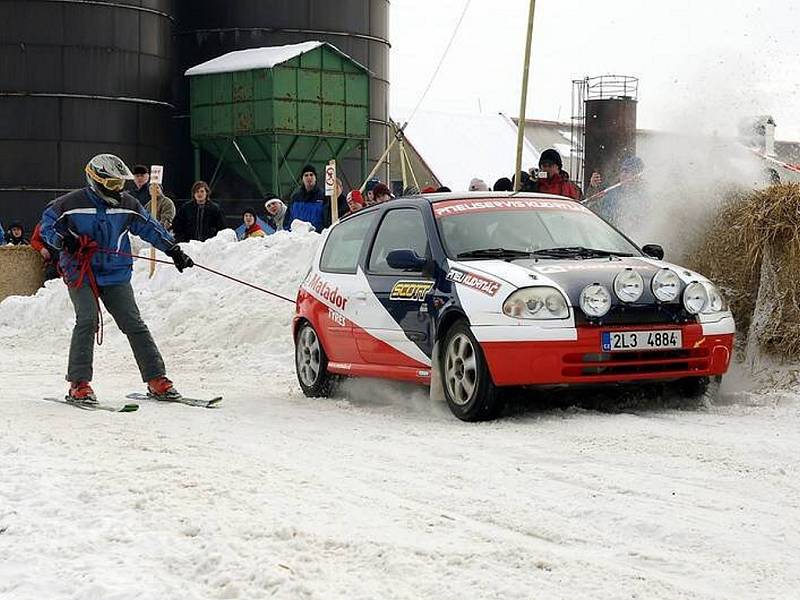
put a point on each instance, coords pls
(83, 212)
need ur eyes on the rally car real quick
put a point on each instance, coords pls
(498, 290)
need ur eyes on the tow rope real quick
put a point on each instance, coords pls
(88, 248)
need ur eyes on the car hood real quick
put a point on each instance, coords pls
(572, 275)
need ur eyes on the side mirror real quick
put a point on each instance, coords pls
(406, 260)
(653, 251)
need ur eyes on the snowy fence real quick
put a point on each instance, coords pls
(21, 271)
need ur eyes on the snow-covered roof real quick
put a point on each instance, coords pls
(458, 147)
(259, 58)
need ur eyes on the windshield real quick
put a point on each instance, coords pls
(469, 228)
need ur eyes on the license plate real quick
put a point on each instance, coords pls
(622, 341)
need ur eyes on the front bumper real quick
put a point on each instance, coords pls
(706, 351)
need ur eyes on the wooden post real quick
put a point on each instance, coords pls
(156, 178)
(523, 98)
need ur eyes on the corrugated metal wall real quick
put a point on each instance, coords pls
(78, 78)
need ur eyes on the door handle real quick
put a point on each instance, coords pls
(360, 296)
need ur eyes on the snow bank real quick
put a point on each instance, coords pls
(196, 312)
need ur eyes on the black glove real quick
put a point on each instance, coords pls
(70, 243)
(180, 258)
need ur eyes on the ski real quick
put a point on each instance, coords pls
(201, 402)
(95, 406)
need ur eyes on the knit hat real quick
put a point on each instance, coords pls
(250, 211)
(370, 186)
(140, 170)
(478, 185)
(503, 185)
(429, 190)
(632, 163)
(551, 156)
(308, 169)
(355, 197)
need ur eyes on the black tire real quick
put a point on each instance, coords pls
(468, 387)
(311, 363)
(698, 388)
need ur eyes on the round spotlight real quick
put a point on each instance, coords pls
(595, 300)
(666, 285)
(695, 297)
(628, 285)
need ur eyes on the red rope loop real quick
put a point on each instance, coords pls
(88, 248)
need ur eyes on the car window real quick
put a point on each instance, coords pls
(343, 246)
(401, 229)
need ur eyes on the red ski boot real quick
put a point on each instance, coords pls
(81, 392)
(161, 388)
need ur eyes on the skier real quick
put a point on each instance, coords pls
(83, 225)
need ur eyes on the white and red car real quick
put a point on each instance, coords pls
(502, 290)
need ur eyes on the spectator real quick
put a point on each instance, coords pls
(381, 193)
(622, 204)
(341, 205)
(16, 235)
(141, 191)
(49, 254)
(276, 213)
(355, 202)
(429, 190)
(503, 185)
(444, 188)
(557, 181)
(369, 188)
(250, 227)
(200, 218)
(2, 235)
(478, 185)
(308, 201)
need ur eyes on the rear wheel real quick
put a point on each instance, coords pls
(311, 363)
(468, 387)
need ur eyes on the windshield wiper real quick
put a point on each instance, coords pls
(503, 253)
(578, 252)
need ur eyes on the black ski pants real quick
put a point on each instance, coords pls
(120, 302)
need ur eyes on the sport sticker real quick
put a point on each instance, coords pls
(415, 291)
(476, 282)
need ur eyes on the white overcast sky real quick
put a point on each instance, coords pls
(701, 63)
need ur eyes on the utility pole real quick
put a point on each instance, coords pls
(524, 97)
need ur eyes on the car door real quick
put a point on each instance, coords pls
(335, 285)
(399, 334)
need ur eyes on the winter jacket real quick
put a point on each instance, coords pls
(198, 222)
(326, 214)
(306, 205)
(83, 212)
(279, 221)
(264, 228)
(559, 185)
(166, 207)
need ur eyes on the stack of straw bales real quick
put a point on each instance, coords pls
(21, 271)
(752, 251)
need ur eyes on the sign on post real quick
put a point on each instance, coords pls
(331, 189)
(156, 179)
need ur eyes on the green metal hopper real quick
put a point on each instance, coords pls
(265, 112)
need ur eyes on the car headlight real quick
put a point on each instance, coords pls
(628, 285)
(716, 303)
(536, 303)
(695, 297)
(595, 300)
(666, 285)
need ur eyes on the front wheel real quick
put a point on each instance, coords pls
(468, 387)
(699, 388)
(311, 364)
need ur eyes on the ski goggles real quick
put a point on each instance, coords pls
(115, 184)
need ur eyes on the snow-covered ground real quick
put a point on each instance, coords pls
(382, 495)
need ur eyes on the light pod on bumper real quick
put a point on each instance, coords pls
(666, 285)
(716, 303)
(628, 285)
(695, 297)
(595, 300)
(536, 303)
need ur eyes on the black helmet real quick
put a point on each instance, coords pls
(106, 175)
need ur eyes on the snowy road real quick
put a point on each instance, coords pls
(384, 495)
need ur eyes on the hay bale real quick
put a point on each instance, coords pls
(752, 251)
(21, 271)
